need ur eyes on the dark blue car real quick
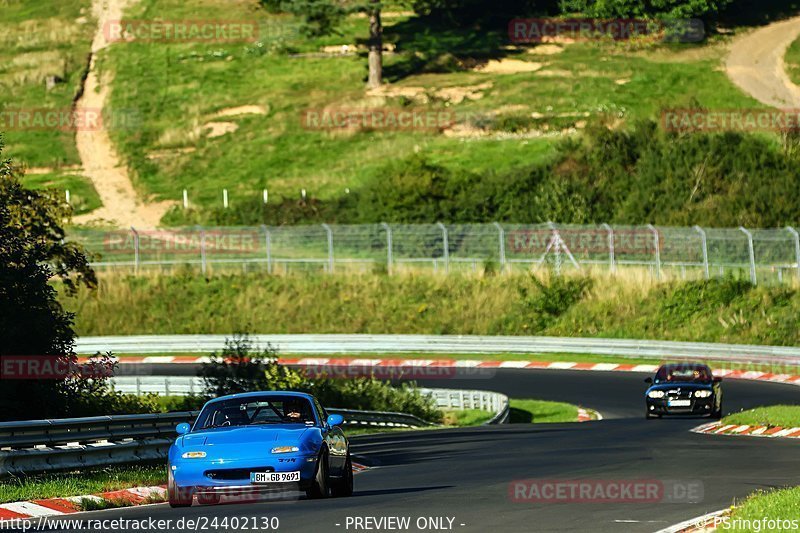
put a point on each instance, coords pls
(684, 389)
(259, 441)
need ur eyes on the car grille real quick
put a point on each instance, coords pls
(679, 395)
(230, 474)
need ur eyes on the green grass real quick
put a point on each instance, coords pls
(540, 411)
(80, 483)
(787, 416)
(83, 196)
(467, 417)
(41, 39)
(770, 505)
(715, 311)
(180, 86)
(793, 62)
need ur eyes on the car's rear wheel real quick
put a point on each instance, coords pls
(344, 485)
(177, 496)
(208, 499)
(320, 485)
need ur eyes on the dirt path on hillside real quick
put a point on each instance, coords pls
(101, 163)
(756, 64)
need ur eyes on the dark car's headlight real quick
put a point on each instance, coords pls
(702, 393)
(656, 394)
(285, 449)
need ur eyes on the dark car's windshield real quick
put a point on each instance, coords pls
(683, 374)
(256, 410)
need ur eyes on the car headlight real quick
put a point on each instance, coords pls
(702, 393)
(193, 455)
(285, 449)
(656, 394)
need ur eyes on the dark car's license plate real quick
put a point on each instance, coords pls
(274, 477)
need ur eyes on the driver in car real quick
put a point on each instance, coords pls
(293, 410)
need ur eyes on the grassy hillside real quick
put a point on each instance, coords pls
(41, 39)
(723, 311)
(506, 119)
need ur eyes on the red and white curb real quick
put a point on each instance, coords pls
(718, 428)
(588, 415)
(465, 364)
(707, 522)
(61, 506)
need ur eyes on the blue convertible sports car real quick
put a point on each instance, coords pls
(683, 389)
(259, 441)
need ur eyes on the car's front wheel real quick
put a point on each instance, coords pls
(344, 485)
(320, 485)
(177, 496)
(648, 415)
(716, 414)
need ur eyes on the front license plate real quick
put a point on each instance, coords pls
(274, 477)
(679, 403)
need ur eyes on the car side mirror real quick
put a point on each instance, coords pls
(335, 420)
(716, 379)
(182, 428)
(648, 380)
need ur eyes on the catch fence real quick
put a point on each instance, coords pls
(761, 255)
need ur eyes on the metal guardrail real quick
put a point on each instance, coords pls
(443, 344)
(34, 446)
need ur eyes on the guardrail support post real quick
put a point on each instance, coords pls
(752, 253)
(446, 247)
(611, 250)
(501, 233)
(268, 246)
(796, 248)
(657, 244)
(330, 247)
(389, 252)
(704, 242)
(135, 250)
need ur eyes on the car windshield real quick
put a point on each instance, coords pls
(683, 374)
(256, 410)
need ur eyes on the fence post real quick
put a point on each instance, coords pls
(67, 196)
(704, 242)
(657, 244)
(330, 247)
(266, 196)
(752, 255)
(202, 250)
(446, 245)
(225, 198)
(502, 236)
(135, 250)
(796, 248)
(185, 199)
(268, 246)
(389, 252)
(610, 246)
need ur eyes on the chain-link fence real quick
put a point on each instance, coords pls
(763, 256)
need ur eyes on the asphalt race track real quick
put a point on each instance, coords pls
(465, 474)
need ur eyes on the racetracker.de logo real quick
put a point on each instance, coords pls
(605, 491)
(377, 119)
(182, 31)
(52, 367)
(395, 371)
(706, 120)
(537, 30)
(69, 120)
(192, 243)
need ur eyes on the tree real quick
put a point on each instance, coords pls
(320, 17)
(32, 322)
